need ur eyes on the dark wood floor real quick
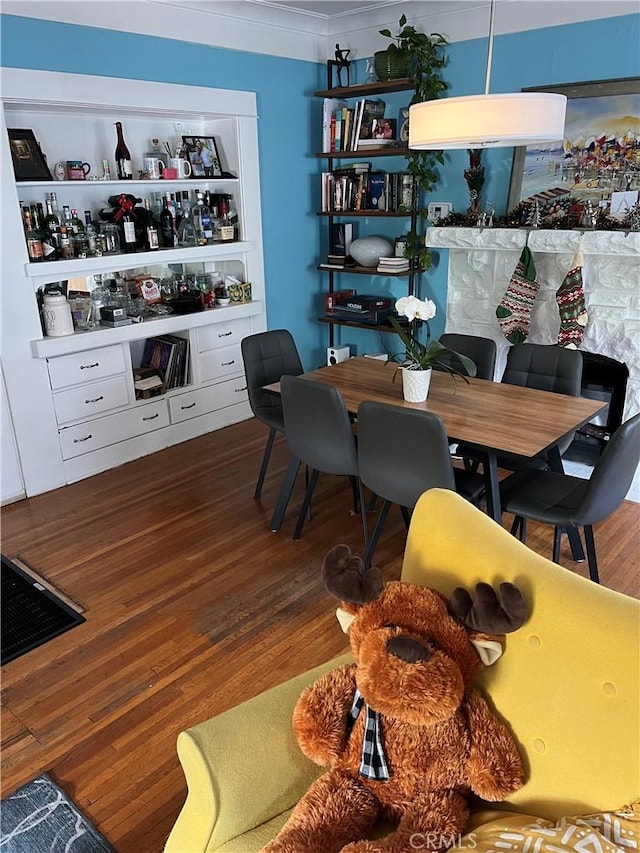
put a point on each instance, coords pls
(192, 605)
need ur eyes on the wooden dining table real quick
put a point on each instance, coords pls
(496, 416)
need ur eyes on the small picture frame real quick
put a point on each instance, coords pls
(202, 153)
(29, 163)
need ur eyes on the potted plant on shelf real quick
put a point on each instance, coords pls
(409, 49)
(419, 358)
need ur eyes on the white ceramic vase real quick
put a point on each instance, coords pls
(415, 384)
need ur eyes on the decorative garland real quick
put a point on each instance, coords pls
(562, 215)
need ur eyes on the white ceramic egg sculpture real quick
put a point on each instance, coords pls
(367, 251)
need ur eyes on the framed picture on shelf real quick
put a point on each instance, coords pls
(598, 154)
(29, 163)
(202, 153)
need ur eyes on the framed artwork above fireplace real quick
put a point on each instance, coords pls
(599, 154)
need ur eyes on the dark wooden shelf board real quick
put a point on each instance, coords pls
(379, 87)
(378, 213)
(383, 151)
(361, 271)
(338, 321)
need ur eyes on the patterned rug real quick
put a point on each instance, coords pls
(40, 818)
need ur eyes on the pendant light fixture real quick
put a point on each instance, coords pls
(487, 121)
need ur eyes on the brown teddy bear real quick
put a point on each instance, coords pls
(405, 735)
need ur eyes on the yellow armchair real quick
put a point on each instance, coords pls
(568, 685)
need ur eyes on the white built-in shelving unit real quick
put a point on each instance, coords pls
(71, 400)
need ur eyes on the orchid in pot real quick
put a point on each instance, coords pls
(419, 358)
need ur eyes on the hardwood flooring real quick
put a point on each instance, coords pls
(192, 606)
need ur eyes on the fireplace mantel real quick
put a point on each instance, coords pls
(481, 261)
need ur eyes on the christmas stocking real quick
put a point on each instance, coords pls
(572, 307)
(514, 312)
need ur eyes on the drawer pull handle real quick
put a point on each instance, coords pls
(190, 406)
(152, 417)
(80, 440)
(240, 390)
(228, 363)
(88, 366)
(224, 334)
(96, 399)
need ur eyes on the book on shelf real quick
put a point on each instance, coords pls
(371, 110)
(340, 239)
(169, 355)
(329, 108)
(377, 188)
(393, 265)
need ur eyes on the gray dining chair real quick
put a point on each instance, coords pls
(403, 452)
(547, 368)
(267, 356)
(482, 351)
(320, 435)
(569, 502)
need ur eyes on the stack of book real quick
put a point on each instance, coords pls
(355, 187)
(393, 265)
(170, 355)
(349, 129)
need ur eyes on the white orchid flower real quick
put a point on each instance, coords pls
(416, 309)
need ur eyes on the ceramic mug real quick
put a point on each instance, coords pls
(60, 172)
(77, 170)
(182, 167)
(154, 167)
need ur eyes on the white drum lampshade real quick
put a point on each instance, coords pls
(487, 121)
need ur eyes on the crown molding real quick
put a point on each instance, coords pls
(261, 26)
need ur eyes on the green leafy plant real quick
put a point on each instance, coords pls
(419, 355)
(426, 61)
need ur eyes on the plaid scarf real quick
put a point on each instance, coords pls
(373, 764)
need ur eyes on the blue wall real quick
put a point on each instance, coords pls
(289, 130)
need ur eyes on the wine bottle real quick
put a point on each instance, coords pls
(123, 157)
(129, 242)
(152, 241)
(51, 232)
(166, 226)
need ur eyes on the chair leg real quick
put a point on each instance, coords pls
(377, 530)
(355, 483)
(266, 456)
(519, 527)
(297, 533)
(373, 500)
(591, 553)
(405, 516)
(285, 494)
(557, 535)
(363, 513)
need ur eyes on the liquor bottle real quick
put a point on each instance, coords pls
(92, 234)
(129, 239)
(34, 241)
(51, 232)
(77, 225)
(123, 157)
(166, 226)
(205, 234)
(186, 231)
(65, 246)
(152, 240)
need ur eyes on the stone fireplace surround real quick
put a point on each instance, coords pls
(482, 260)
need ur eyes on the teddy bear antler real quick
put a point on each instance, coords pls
(345, 577)
(487, 612)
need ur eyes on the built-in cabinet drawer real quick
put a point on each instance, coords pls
(85, 366)
(200, 401)
(85, 401)
(223, 334)
(111, 429)
(218, 363)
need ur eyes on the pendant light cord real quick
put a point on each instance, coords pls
(490, 47)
